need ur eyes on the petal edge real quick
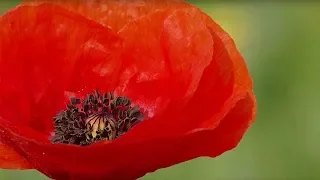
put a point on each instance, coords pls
(9, 159)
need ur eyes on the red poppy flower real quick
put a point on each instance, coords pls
(114, 89)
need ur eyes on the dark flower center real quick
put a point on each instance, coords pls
(98, 117)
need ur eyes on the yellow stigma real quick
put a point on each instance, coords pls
(100, 126)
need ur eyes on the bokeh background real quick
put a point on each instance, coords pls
(281, 44)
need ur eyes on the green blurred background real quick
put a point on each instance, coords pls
(280, 42)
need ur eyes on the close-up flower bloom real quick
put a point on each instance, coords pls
(117, 89)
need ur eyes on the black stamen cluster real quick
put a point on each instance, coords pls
(71, 127)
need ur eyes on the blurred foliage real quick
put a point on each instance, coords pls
(280, 43)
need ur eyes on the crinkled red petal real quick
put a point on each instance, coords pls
(114, 13)
(165, 61)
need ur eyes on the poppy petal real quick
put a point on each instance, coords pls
(69, 53)
(242, 78)
(223, 79)
(116, 14)
(224, 82)
(9, 159)
(154, 60)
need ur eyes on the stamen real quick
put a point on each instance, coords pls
(98, 117)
